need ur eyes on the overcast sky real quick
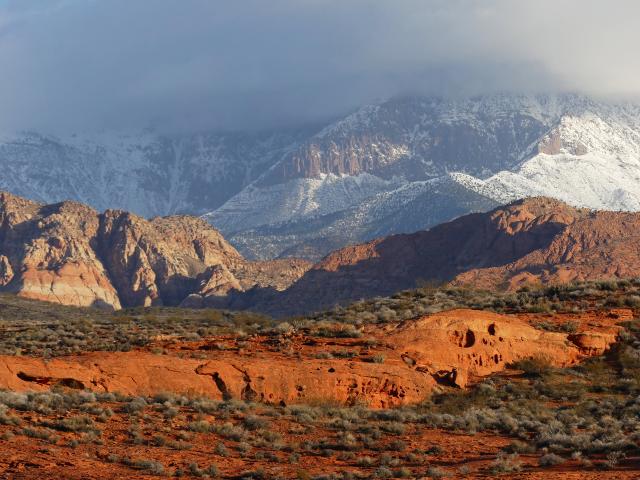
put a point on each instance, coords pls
(239, 64)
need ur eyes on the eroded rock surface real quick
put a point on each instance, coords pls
(461, 344)
(451, 348)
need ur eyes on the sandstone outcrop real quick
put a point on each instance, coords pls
(387, 265)
(601, 245)
(458, 345)
(48, 253)
(71, 254)
(450, 348)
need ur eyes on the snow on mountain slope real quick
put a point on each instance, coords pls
(148, 174)
(417, 162)
(401, 210)
(421, 138)
(587, 161)
(298, 199)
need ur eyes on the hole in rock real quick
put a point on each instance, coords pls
(469, 339)
(63, 382)
(71, 383)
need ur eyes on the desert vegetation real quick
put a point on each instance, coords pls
(532, 417)
(43, 329)
(566, 298)
(40, 329)
(535, 418)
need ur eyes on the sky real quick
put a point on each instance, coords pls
(193, 65)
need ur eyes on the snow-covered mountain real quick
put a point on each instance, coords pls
(147, 173)
(410, 163)
(395, 167)
(589, 159)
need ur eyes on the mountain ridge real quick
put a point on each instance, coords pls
(527, 243)
(491, 150)
(71, 254)
(146, 173)
(398, 166)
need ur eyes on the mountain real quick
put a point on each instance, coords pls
(411, 163)
(399, 166)
(147, 173)
(529, 242)
(70, 254)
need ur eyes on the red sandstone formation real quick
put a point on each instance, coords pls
(450, 348)
(531, 241)
(70, 254)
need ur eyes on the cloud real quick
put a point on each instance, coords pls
(239, 64)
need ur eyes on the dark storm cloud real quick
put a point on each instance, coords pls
(194, 64)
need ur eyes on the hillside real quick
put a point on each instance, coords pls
(69, 253)
(529, 242)
(146, 172)
(462, 393)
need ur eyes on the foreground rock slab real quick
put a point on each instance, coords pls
(388, 365)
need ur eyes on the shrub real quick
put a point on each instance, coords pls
(143, 464)
(436, 472)
(221, 450)
(533, 367)
(252, 422)
(74, 424)
(550, 459)
(284, 328)
(228, 430)
(613, 458)
(200, 426)
(8, 419)
(374, 359)
(35, 433)
(506, 464)
(179, 445)
(339, 331)
(402, 473)
(135, 405)
(383, 472)
(365, 461)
